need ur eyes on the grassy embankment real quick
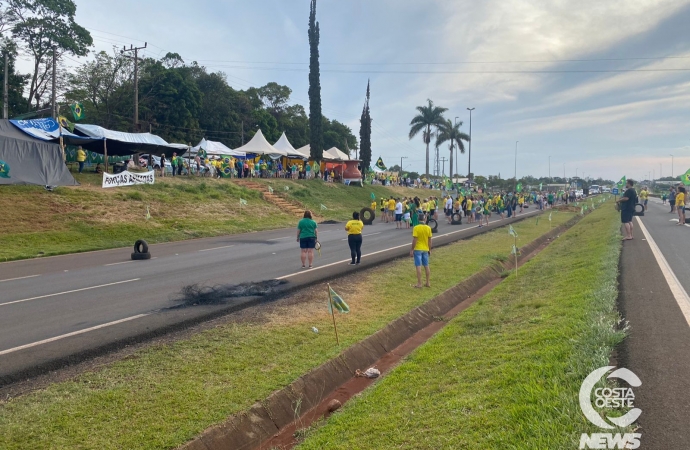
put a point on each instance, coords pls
(166, 394)
(506, 373)
(76, 219)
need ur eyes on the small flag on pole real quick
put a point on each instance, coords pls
(550, 216)
(287, 188)
(148, 213)
(77, 111)
(337, 302)
(582, 211)
(515, 250)
(243, 202)
(270, 190)
(512, 232)
(537, 221)
(373, 197)
(323, 207)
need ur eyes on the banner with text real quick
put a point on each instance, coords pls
(127, 178)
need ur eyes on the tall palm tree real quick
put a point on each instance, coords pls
(428, 117)
(451, 132)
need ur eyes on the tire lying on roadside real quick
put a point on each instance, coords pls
(141, 256)
(456, 219)
(639, 210)
(141, 246)
(434, 225)
(367, 216)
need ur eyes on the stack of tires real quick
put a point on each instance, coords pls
(141, 250)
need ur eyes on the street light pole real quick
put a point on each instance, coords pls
(550, 180)
(456, 154)
(671, 166)
(401, 166)
(469, 153)
(516, 145)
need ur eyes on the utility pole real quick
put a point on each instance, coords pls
(443, 172)
(671, 166)
(401, 162)
(136, 81)
(54, 98)
(550, 179)
(516, 145)
(469, 153)
(243, 133)
(5, 106)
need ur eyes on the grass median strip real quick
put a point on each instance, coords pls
(165, 395)
(505, 373)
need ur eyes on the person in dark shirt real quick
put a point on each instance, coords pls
(627, 207)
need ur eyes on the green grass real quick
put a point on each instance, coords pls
(506, 373)
(84, 218)
(164, 395)
(340, 201)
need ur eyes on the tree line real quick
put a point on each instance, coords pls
(179, 101)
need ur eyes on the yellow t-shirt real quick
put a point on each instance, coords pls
(354, 227)
(680, 198)
(644, 194)
(423, 234)
(425, 206)
(391, 205)
(469, 205)
(373, 206)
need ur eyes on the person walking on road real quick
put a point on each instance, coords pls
(627, 207)
(354, 238)
(681, 199)
(307, 236)
(420, 251)
(672, 199)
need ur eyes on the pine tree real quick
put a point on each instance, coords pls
(315, 120)
(365, 134)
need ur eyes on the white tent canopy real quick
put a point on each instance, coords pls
(305, 151)
(260, 146)
(335, 154)
(216, 149)
(284, 144)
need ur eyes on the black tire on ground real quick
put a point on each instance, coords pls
(639, 210)
(434, 225)
(367, 216)
(141, 246)
(525, 206)
(141, 256)
(456, 219)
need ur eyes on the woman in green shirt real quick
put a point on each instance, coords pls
(307, 236)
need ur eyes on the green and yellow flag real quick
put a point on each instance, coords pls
(380, 164)
(337, 302)
(622, 182)
(64, 123)
(77, 111)
(685, 178)
(519, 187)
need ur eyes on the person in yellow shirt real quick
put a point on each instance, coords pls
(681, 198)
(81, 158)
(354, 238)
(373, 206)
(391, 210)
(644, 197)
(470, 212)
(420, 251)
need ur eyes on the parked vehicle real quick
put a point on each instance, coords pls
(144, 161)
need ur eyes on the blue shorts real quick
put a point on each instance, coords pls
(398, 217)
(421, 258)
(305, 243)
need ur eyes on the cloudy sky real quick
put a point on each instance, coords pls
(594, 84)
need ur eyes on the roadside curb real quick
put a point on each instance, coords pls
(264, 419)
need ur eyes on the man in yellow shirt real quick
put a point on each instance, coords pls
(644, 197)
(391, 210)
(420, 251)
(81, 158)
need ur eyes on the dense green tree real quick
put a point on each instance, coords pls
(449, 132)
(15, 82)
(315, 125)
(337, 134)
(429, 119)
(46, 27)
(365, 133)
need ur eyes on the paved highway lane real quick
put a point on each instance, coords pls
(48, 299)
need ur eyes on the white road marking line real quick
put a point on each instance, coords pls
(674, 220)
(677, 289)
(118, 263)
(74, 333)
(382, 251)
(366, 235)
(20, 278)
(216, 248)
(68, 292)
(279, 239)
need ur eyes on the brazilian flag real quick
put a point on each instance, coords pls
(519, 187)
(77, 111)
(622, 182)
(66, 123)
(685, 178)
(380, 164)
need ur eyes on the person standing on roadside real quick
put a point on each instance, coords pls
(398, 214)
(354, 238)
(162, 165)
(420, 251)
(627, 207)
(681, 199)
(307, 236)
(391, 209)
(173, 161)
(644, 197)
(672, 199)
(81, 158)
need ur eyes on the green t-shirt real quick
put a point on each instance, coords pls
(307, 228)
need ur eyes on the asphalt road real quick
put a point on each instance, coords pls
(654, 282)
(51, 308)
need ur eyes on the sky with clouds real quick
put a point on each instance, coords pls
(593, 84)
